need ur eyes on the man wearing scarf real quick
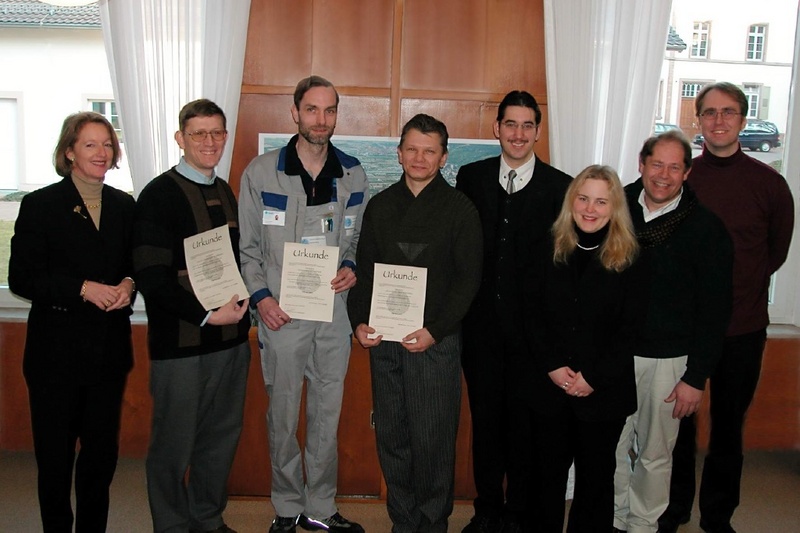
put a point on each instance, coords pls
(689, 256)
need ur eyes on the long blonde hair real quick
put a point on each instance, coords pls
(619, 249)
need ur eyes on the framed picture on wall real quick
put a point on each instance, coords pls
(378, 155)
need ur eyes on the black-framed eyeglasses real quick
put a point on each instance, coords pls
(200, 135)
(711, 113)
(513, 125)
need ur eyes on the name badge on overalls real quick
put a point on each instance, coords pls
(273, 218)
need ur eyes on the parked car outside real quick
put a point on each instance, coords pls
(661, 127)
(758, 135)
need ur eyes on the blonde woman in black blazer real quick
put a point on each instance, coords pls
(581, 387)
(71, 257)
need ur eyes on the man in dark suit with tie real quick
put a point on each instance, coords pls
(518, 197)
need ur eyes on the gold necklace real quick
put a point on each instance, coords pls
(94, 206)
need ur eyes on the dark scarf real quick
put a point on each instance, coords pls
(659, 230)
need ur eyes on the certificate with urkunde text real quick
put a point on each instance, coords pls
(398, 301)
(213, 271)
(306, 291)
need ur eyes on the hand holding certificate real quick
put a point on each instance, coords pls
(398, 301)
(213, 271)
(306, 291)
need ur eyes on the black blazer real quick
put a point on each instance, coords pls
(587, 322)
(543, 197)
(55, 248)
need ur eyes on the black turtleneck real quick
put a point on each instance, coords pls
(592, 241)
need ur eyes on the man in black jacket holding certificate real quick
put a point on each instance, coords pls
(421, 222)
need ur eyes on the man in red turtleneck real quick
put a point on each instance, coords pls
(755, 204)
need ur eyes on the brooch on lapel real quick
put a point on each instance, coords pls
(77, 209)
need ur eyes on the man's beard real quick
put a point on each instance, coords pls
(314, 137)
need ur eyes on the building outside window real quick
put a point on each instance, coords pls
(690, 89)
(108, 108)
(700, 36)
(40, 44)
(753, 94)
(756, 41)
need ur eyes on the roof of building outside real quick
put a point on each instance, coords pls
(674, 41)
(32, 13)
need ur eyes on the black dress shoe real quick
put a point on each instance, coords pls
(511, 526)
(221, 529)
(333, 524)
(716, 528)
(670, 524)
(284, 524)
(482, 523)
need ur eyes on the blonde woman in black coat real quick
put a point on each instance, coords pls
(71, 257)
(584, 302)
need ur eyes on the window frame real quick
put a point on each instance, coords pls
(689, 89)
(752, 53)
(753, 93)
(701, 39)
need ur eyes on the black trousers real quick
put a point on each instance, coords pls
(500, 426)
(63, 414)
(417, 402)
(559, 439)
(732, 387)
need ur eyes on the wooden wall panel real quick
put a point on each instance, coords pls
(250, 473)
(15, 423)
(352, 42)
(359, 470)
(389, 59)
(444, 45)
(363, 115)
(137, 404)
(15, 415)
(515, 56)
(464, 485)
(773, 421)
(258, 113)
(279, 42)
(462, 118)
(543, 144)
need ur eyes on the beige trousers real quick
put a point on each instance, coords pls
(644, 452)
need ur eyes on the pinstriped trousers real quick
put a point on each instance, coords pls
(417, 401)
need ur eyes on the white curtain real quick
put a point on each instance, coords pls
(163, 54)
(604, 62)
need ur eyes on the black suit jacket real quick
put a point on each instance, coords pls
(587, 322)
(55, 248)
(543, 197)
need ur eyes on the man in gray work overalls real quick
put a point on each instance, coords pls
(306, 192)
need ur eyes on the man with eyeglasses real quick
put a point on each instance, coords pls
(689, 257)
(518, 197)
(755, 204)
(199, 359)
(306, 192)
